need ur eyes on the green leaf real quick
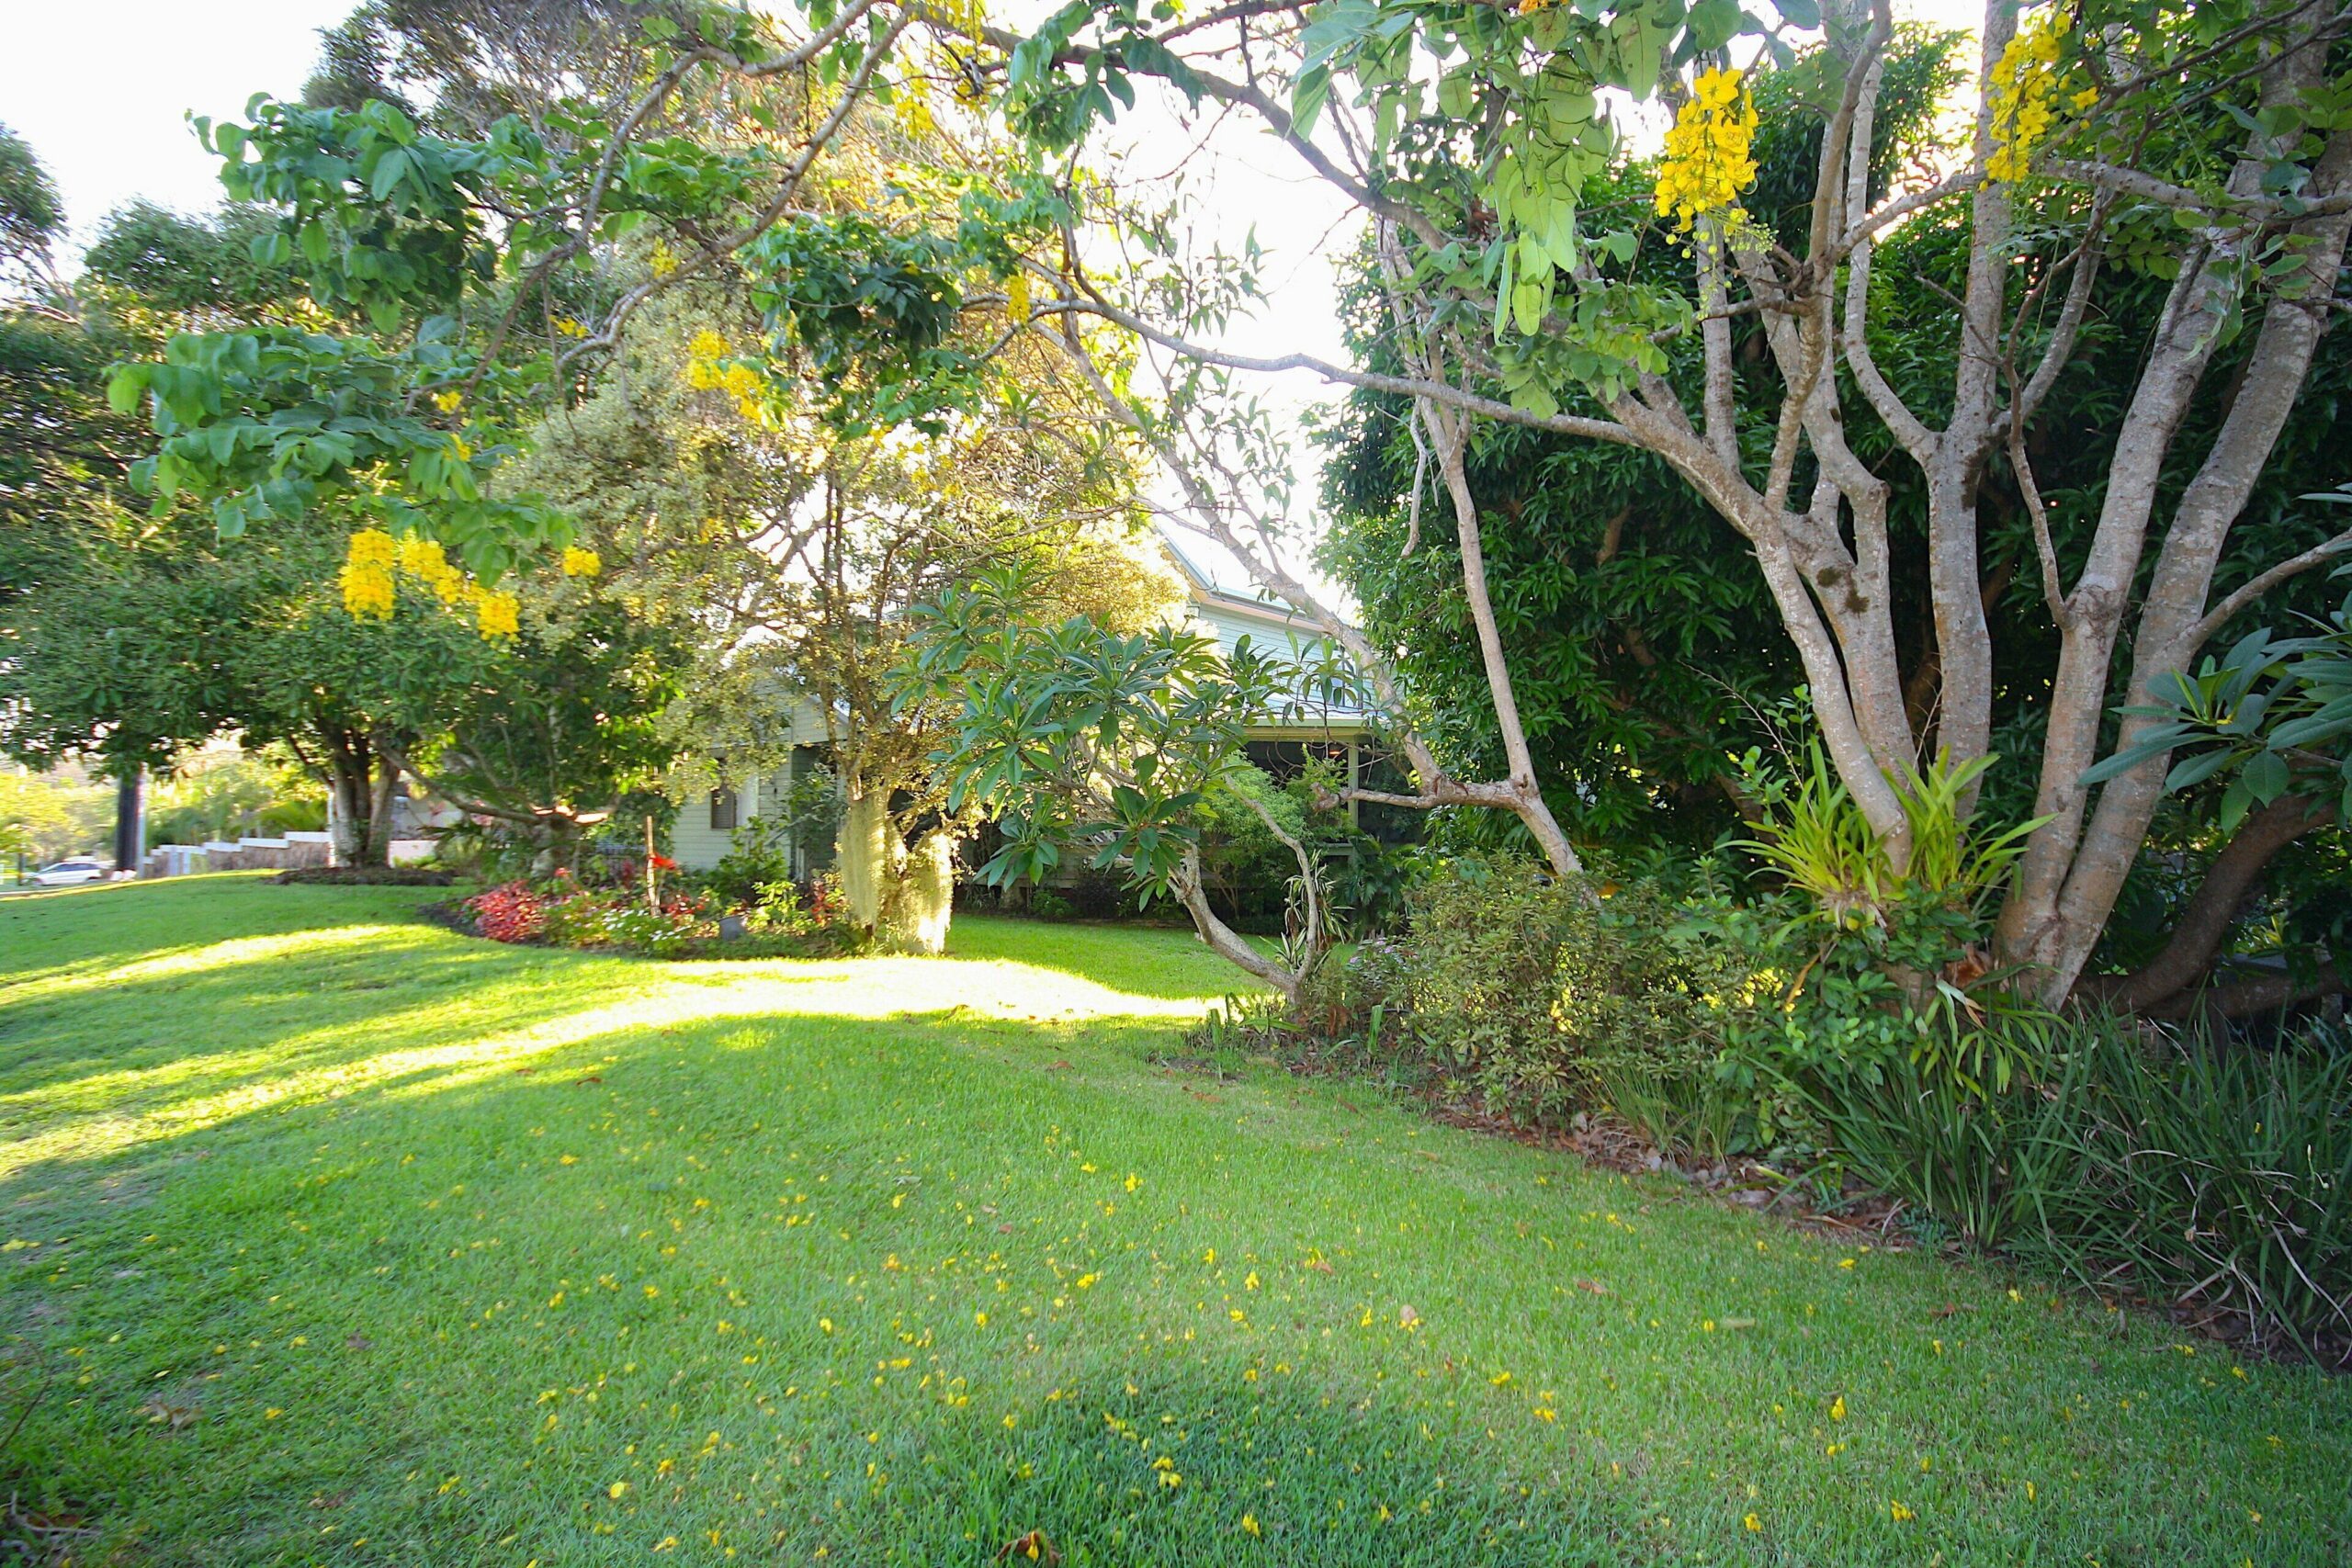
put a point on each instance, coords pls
(2265, 776)
(388, 172)
(1528, 302)
(125, 386)
(1713, 23)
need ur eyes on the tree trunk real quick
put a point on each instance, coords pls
(921, 901)
(355, 781)
(2073, 870)
(1450, 432)
(2167, 642)
(2205, 923)
(1226, 942)
(864, 857)
(382, 796)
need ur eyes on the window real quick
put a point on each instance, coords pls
(722, 809)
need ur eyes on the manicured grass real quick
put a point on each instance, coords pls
(351, 1241)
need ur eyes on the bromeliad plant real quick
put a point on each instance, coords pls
(1817, 838)
(1075, 738)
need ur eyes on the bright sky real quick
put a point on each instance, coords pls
(101, 90)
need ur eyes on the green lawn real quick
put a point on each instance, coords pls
(346, 1240)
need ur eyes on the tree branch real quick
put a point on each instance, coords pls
(2262, 584)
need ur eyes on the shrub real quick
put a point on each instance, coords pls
(509, 912)
(622, 919)
(2178, 1167)
(1485, 942)
(1663, 1003)
(777, 909)
(759, 855)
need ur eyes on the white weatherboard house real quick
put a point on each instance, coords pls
(705, 825)
(1224, 603)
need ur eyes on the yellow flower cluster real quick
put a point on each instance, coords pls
(2025, 95)
(706, 373)
(664, 260)
(423, 558)
(367, 574)
(370, 586)
(495, 613)
(578, 562)
(1708, 157)
(912, 110)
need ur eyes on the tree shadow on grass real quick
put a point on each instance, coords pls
(509, 1261)
(758, 1241)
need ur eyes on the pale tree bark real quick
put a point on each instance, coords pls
(1222, 939)
(1955, 463)
(1214, 508)
(2073, 871)
(1826, 558)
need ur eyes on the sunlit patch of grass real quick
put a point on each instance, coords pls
(407, 1248)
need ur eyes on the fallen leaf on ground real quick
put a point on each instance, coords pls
(1592, 1286)
(1033, 1547)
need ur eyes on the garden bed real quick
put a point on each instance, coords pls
(782, 920)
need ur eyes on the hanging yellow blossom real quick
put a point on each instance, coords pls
(746, 386)
(448, 401)
(423, 559)
(496, 613)
(2024, 101)
(1708, 157)
(912, 109)
(664, 261)
(578, 562)
(367, 576)
(422, 556)
(569, 326)
(1016, 296)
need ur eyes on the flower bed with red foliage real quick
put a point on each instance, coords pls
(687, 922)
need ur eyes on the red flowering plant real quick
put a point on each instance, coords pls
(511, 912)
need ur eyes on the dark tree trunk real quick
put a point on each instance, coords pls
(2167, 986)
(361, 785)
(382, 801)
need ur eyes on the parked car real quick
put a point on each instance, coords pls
(66, 872)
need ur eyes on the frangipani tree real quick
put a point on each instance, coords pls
(1075, 738)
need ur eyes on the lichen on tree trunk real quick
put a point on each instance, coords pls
(905, 898)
